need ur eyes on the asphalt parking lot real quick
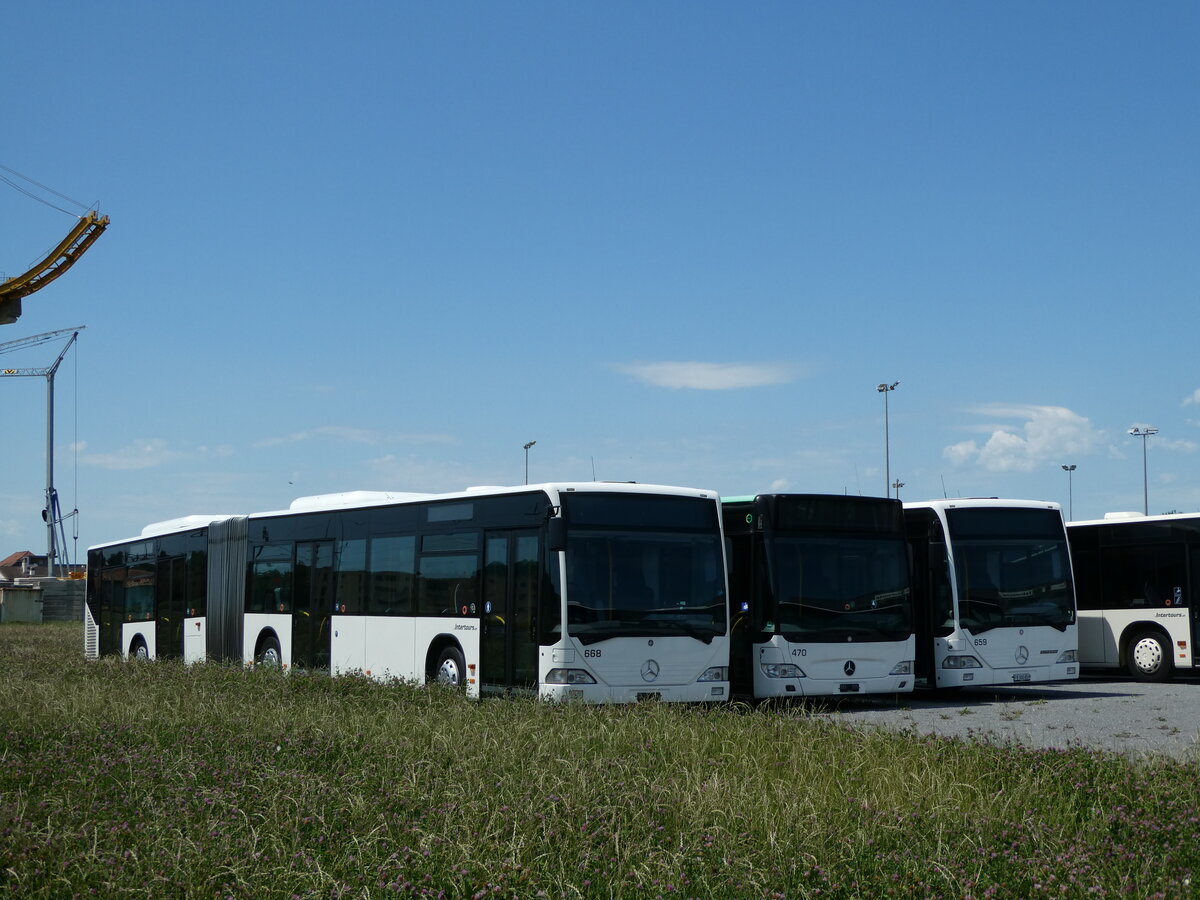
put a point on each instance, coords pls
(1101, 711)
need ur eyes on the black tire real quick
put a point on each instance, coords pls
(451, 669)
(1148, 656)
(269, 655)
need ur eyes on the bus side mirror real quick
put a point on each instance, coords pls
(556, 533)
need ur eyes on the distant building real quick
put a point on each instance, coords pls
(29, 594)
(25, 564)
(22, 564)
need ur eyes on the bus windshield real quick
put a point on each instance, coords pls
(840, 589)
(660, 573)
(1012, 568)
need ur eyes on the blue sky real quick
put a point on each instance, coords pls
(382, 245)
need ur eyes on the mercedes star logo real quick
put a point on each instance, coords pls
(1022, 655)
(848, 668)
(649, 670)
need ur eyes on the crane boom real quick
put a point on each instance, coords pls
(61, 258)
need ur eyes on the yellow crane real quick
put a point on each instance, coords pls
(61, 258)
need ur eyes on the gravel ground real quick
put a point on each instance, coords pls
(1109, 712)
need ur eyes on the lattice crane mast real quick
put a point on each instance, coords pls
(51, 513)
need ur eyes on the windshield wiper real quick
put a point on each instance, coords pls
(1051, 619)
(700, 634)
(591, 632)
(978, 627)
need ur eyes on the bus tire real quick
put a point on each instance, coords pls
(269, 655)
(451, 668)
(1148, 656)
(138, 649)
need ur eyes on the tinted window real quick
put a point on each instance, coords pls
(139, 593)
(458, 540)
(351, 564)
(642, 582)
(838, 589)
(449, 585)
(639, 511)
(984, 522)
(393, 567)
(451, 512)
(827, 513)
(1143, 577)
(270, 586)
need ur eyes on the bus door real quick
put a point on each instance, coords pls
(112, 609)
(170, 592)
(1191, 596)
(933, 596)
(312, 604)
(508, 645)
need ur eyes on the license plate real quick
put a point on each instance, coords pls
(848, 688)
(1021, 676)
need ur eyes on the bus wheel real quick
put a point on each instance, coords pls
(138, 650)
(451, 668)
(1149, 657)
(270, 655)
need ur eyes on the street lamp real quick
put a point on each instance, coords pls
(527, 446)
(897, 484)
(1144, 431)
(1070, 496)
(886, 389)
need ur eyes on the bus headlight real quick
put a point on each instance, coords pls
(782, 670)
(904, 668)
(961, 662)
(1068, 656)
(569, 676)
(716, 673)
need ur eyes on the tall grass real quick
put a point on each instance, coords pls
(157, 779)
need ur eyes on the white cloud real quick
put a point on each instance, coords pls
(1193, 400)
(709, 376)
(146, 453)
(143, 453)
(347, 435)
(1176, 446)
(337, 432)
(1047, 434)
(962, 453)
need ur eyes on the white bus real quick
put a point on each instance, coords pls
(994, 595)
(820, 601)
(1138, 580)
(592, 592)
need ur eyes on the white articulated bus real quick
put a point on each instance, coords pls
(995, 601)
(1138, 581)
(591, 591)
(820, 601)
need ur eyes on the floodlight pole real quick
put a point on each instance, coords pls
(527, 446)
(1070, 470)
(886, 389)
(1144, 432)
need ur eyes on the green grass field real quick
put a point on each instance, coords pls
(152, 779)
